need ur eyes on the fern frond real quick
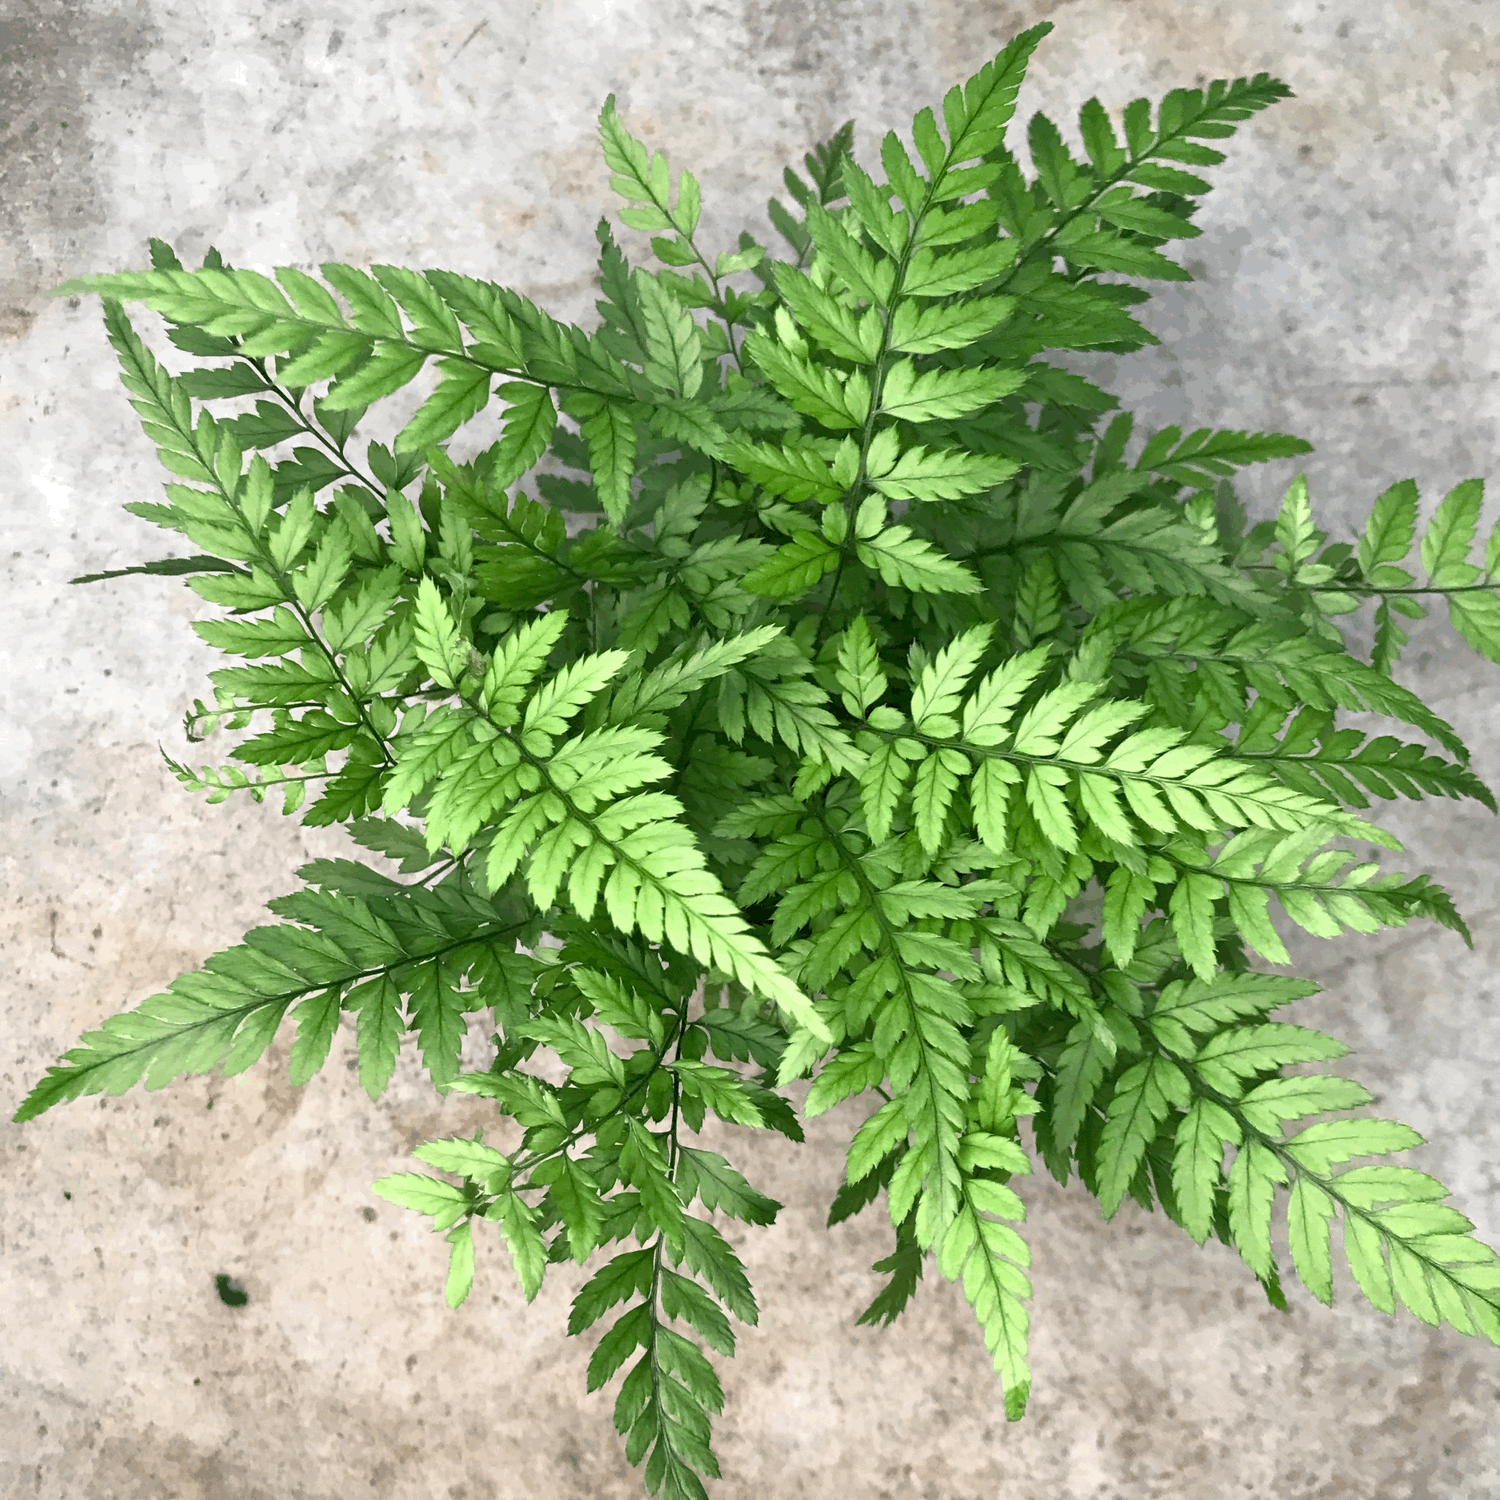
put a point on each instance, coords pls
(346, 955)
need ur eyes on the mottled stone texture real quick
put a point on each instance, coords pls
(1346, 285)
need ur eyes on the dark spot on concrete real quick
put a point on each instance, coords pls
(231, 1293)
(134, 1464)
(51, 213)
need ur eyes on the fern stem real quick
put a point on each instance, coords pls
(521, 1163)
(295, 408)
(659, 1244)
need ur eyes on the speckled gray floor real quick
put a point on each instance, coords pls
(1347, 291)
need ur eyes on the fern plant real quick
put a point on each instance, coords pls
(865, 654)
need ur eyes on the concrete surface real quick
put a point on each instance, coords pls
(1347, 288)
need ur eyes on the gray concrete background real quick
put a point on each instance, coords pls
(1347, 290)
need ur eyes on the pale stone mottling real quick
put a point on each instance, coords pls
(1346, 290)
